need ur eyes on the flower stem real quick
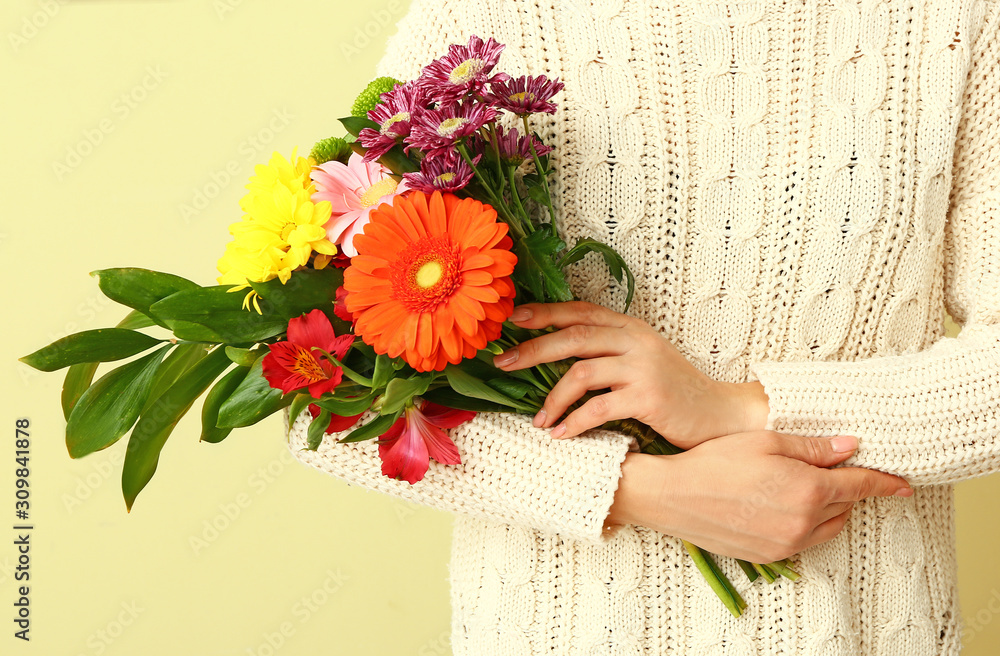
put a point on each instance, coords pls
(716, 579)
(498, 203)
(543, 173)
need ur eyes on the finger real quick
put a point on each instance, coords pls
(857, 483)
(829, 529)
(834, 509)
(561, 315)
(593, 413)
(582, 377)
(580, 341)
(816, 451)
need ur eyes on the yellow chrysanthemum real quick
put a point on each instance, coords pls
(281, 229)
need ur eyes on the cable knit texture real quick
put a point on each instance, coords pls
(803, 190)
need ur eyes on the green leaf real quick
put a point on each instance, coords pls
(213, 314)
(398, 162)
(468, 385)
(383, 371)
(101, 345)
(252, 401)
(449, 398)
(616, 263)
(515, 389)
(355, 124)
(158, 422)
(317, 430)
(140, 288)
(373, 428)
(400, 391)
(536, 271)
(346, 407)
(136, 320)
(80, 376)
(222, 390)
(78, 379)
(182, 358)
(305, 291)
(241, 356)
(110, 406)
(300, 403)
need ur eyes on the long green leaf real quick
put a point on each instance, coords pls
(346, 407)
(372, 429)
(140, 288)
(469, 385)
(100, 345)
(213, 314)
(182, 358)
(449, 398)
(158, 422)
(80, 376)
(355, 124)
(110, 406)
(222, 390)
(252, 401)
(616, 264)
(300, 403)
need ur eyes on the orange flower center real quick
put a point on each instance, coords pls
(377, 190)
(306, 366)
(426, 274)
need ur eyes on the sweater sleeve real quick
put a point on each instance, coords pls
(510, 472)
(931, 417)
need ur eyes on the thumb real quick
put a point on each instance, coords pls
(815, 451)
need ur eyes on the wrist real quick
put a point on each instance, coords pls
(638, 490)
(751, 406)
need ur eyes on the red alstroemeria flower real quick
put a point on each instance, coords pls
(337, 423)
(293, 364)
(340, 305)
(416, 437)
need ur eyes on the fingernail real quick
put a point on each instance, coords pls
(844, 443)
(559, 431)
(521, 314)
(506, 358)
(539, 419)
(904, 492)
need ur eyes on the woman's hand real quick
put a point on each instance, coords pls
(760, 496)
(649, 379)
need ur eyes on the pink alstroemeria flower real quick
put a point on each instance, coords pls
(416, 437)
(353, 189)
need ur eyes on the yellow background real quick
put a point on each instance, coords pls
(128, 132)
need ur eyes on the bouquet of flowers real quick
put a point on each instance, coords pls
(369, 285)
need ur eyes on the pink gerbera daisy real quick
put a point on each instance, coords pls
(525, 95)
(464, 71)
(416, 437)
(353, 189)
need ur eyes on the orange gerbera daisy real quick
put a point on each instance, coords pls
(431, 280)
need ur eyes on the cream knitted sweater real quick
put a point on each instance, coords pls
(803, 189)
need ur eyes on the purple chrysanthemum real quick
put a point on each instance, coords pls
(448, 172)
(394, 114)
(463, 71)
(436, 131)
(516, 148)
(525, 95)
